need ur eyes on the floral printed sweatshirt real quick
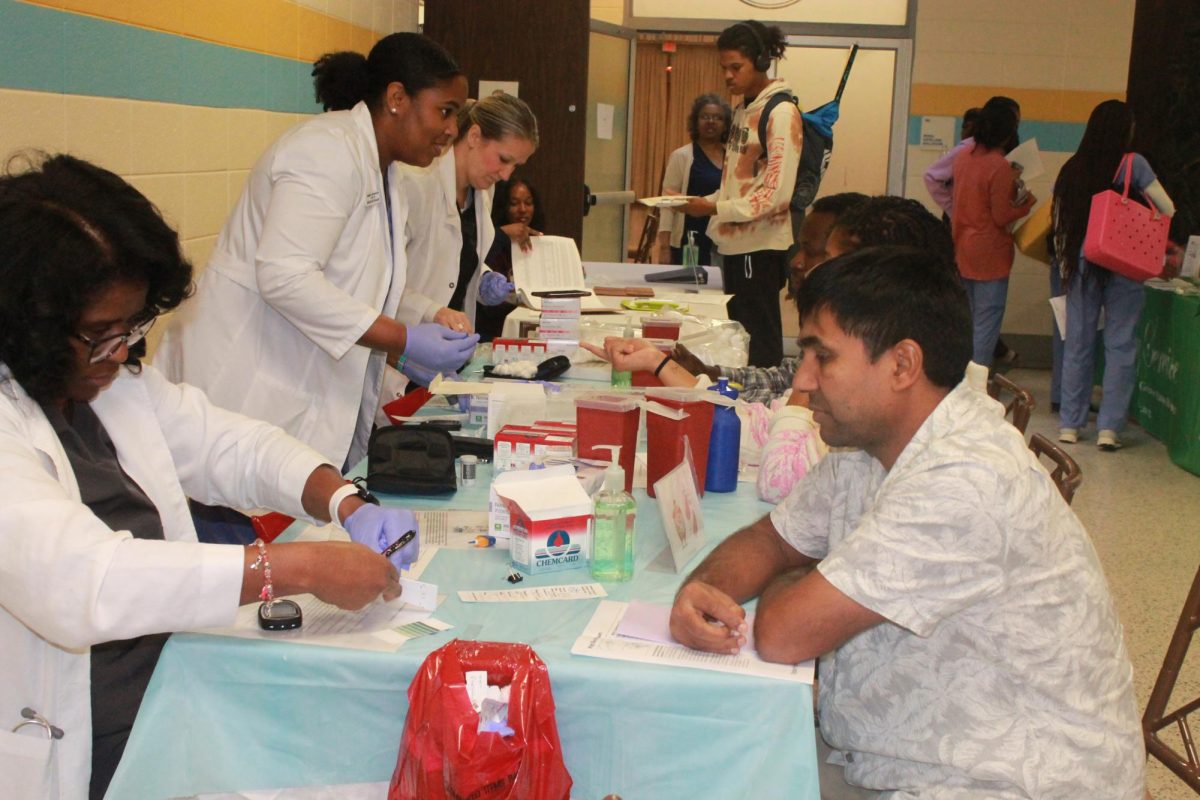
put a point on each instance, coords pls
(752, 203)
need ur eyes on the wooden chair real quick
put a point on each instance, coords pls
(644, 254)
(1018, 402)
(1066, 473)
(1186, 765)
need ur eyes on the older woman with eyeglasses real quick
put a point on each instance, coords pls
(694, 170)
(98, 455)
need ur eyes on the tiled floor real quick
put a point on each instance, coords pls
(1143, 514)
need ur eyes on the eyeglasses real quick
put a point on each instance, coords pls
(103, 348)
(712, 117)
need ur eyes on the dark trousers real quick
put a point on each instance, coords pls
(754, 280)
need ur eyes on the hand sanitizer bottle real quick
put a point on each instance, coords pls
(612, 527)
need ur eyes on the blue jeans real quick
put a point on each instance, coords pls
(1056, 340)
(1122, 301)
(987, 299)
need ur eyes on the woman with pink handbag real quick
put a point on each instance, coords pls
(1101, 163)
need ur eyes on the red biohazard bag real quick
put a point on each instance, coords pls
(442, 754)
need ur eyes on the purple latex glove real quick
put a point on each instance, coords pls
(378, 528)
(420, 374)
(494, 288)
(423, 377)
(438, 347)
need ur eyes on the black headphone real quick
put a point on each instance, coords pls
(762, 59)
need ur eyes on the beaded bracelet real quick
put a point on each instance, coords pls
(401, 361)
(267, 594)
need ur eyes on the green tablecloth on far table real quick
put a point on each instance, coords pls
(1166, 400)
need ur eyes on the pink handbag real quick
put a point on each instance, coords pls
(1127, 238)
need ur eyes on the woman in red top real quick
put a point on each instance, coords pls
(987, 199)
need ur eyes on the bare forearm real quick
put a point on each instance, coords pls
(386, 334)
(743, 565)
(320, 486)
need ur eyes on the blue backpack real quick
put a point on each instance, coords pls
(817, 145)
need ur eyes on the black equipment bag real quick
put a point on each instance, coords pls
(411, 459)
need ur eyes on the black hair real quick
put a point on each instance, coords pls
(1105, 141)
(68, 231)
(890, 220)
(693, 120)
(884, 295)
(996, 126)
(837, 204)
(500, 204)
(970, 117)
(754, 40)
(1007, 102)
(343, 79)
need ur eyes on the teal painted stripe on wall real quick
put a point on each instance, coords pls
(1053, 137)
(45, 50)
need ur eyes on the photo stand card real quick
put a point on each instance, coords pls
(682, 519)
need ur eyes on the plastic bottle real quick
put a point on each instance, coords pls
(612, 529)
(623, 378)
(724, 445)
(691, 251)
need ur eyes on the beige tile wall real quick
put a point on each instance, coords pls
(191, 161)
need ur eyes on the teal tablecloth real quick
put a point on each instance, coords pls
(225, 714)
(1166, 400)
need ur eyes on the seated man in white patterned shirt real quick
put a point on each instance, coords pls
(974, 651)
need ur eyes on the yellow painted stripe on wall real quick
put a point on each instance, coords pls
(1054, 105)
(274, 27)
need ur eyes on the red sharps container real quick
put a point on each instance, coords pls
(665, 436)
(608, 419)
(661, 328)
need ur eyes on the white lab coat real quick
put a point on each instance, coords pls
(435, 240)
(303, 266)
(67, 581)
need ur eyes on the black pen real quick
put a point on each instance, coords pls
(395, 546)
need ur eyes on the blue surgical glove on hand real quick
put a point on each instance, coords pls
(494, 288)
(420, 374)
(438, 347)
(377, 527)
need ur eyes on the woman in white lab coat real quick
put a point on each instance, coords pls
(97, 456)
(295, 314)
(450, 214)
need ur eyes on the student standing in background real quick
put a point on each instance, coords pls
(986, 202)
(751, 222)
(1092, 288)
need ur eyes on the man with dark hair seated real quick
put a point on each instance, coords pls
(969, 646)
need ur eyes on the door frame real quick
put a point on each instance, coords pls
(622, 32)
(901, 93)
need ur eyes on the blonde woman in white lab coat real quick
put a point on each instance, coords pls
(295, 314)
(451, 203)
(97, 458)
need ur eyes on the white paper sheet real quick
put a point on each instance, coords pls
(599, 640)
(453, 528)
(1029, 157)
(651, 622)
(570, 591)
(551, 264)
(369, 628)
